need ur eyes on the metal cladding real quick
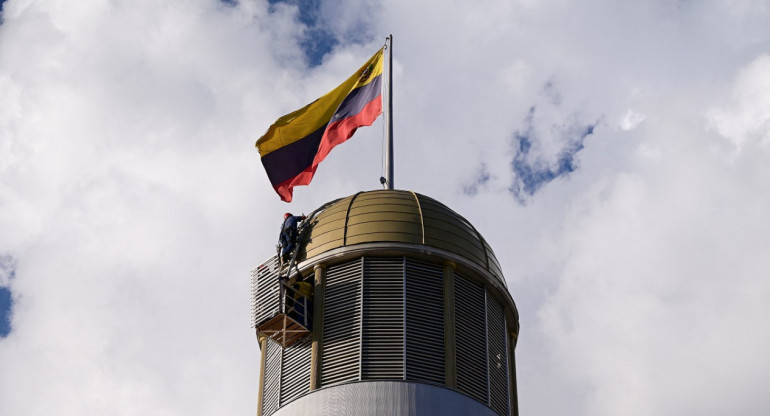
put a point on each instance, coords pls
(415, 316)
(376, 398)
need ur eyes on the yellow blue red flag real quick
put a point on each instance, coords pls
(296, 143)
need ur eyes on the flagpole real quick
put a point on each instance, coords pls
(389, 146)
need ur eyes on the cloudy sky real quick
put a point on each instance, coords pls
(616, 154)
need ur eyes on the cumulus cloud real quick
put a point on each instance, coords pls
(631, 120)
(127, 148)
(745, 120)
(661, 293)
(133, 203)
(326, 25)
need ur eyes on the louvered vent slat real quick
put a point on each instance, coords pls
(470, 329)
(342, 323)
(498, 362)
(383, 314)
(265, 302)
(272, 386)
(295, 371)
(424, 322)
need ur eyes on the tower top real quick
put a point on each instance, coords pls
(405, 304)
(397, 220)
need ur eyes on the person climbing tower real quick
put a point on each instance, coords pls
(288, 238)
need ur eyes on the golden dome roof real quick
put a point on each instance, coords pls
(406, 218)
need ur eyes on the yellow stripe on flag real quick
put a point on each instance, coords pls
(298, 124)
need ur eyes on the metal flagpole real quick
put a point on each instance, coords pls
(389, 146)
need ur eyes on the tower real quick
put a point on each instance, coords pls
(393, 304)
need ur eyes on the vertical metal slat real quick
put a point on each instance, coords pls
(498, 357)
(342, 323)
(470, 316)
(424, 322)
(272, 383)
(295, 371)
(382, 340)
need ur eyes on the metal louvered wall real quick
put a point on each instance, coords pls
(498, 357)
(265, 301)
(382, 335)
(295, 371)
(471, 338)
(272, 390)
(384, 320)
(342, 323)
(424, 322)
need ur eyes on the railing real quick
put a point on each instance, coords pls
(297, 302)
(265, 291)
(280, 311)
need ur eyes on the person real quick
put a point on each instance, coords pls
(288, 238)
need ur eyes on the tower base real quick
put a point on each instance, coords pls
(385, 398)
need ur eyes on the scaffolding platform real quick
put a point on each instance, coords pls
(294, 319)
(283, 330)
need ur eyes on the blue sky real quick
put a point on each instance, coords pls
(317, 40)
(5, 309)
(7, 273)
(323, 28)
(614, 155)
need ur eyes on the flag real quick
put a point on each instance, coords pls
(296, 143)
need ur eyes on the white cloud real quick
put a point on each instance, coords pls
(661, 284)
(134, 203)
(746, 119)
(631, 120)
(128, 205)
